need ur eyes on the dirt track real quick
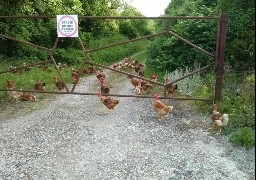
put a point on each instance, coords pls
(74, 137)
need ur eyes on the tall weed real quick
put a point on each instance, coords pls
(188, 85)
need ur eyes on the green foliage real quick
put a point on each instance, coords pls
(70, 56)
(248, 85)
(238, 100)
(114, 54)
(128, 30)
(170, 53)
(243, 137)
(100, 27)
(240, 50)
(134, 28)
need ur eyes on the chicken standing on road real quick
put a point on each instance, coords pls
(218, 119)
(110, 103)
(160, 107)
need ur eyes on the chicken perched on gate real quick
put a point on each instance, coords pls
(218, 119)
(59, 84)
(160, 107)
(110, 103)
(171, 88)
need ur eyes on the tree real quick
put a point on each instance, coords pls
(100, 8)
(169, 53)
(240, 50)
(134, 28)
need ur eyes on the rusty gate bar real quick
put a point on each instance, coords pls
(119, 17)
(25, 42)
(54, 46)
(185, 76)
(125, 42)
(196, 71)
(54, 62)
(191, 44)
(83, 65)
(33, 64)
(168, 24)
(220, 53)
(117, 95)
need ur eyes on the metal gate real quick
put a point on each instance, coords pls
(218, 56)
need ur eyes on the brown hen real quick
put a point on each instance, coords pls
(39, 86)
(59, 84)
(160, 107)
(25, 96)
(110, 103)
(218, 119)
(171, 88)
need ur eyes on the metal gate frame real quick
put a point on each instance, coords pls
(219, 54)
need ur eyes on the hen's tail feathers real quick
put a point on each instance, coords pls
(225, 119)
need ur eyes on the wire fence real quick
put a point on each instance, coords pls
(240, 83)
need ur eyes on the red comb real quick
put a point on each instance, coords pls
(214, 106)
(101, 81)
(155, 96)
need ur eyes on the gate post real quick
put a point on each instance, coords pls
(220, 54)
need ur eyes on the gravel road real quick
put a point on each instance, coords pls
(74, 137)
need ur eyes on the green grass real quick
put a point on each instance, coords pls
(26, 80)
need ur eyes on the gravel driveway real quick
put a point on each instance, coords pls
(74, 137)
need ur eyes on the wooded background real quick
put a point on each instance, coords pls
(164, 52)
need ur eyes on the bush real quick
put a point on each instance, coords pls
(71, 56)
(243, 137)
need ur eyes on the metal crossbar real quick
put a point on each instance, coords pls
(219, 55)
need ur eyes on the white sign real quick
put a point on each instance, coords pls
(67, 25)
